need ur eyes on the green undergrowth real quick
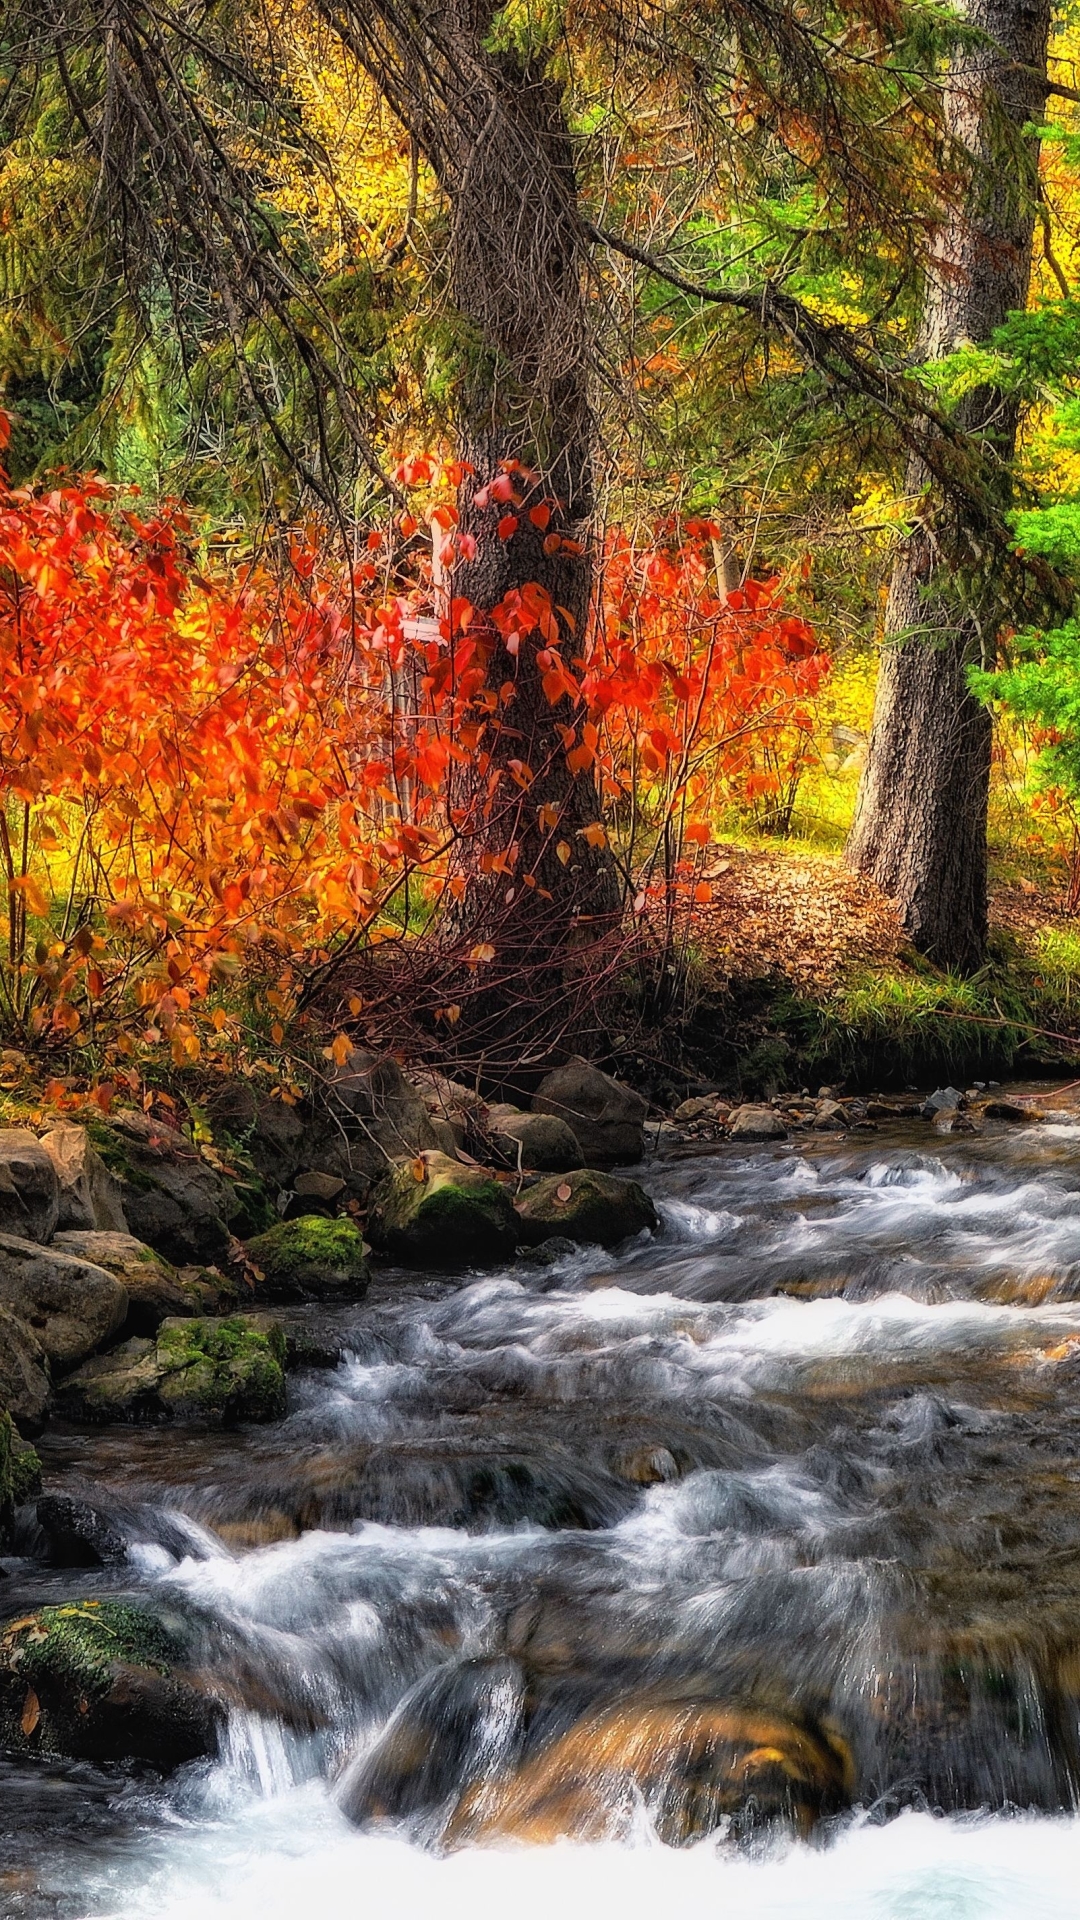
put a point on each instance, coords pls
(76, 1645)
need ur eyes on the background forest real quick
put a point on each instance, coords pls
(464, 466)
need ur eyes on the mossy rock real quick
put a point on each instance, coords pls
(20, 1474)
(437, 1212)
(210, 1372)
(596, 1208)
(96, 1679)
(311, 1257)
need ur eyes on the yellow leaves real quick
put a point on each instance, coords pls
(418, 1169)
(450, 1014)
(593, 835)
(548, 816)
(36, 902)
(339, 1049)
(564, 851)
(277, 1033)
(481, 954)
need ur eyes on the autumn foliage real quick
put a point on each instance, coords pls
(211, 773)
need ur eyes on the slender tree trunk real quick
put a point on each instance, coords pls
(920, 821)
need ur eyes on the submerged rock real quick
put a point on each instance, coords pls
(71, 1305)
(153, 1286)
(694, 1765)
(211, 1372)
(607, 1118)
(29, 1186)
(585, 1205)
(433, 1211)
(96, 1680)
(90, 1195)
(311, 1258)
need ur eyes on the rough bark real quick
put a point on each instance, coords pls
(920, 821)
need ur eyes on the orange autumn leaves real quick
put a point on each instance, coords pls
(211, 772)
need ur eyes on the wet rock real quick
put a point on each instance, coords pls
(209, 1372)
(550, 1252)
(24, 1374)
(78, 1534)
(20, 1474)
(1010, 1110)
(951, 1120)
(314, 1185)
(434, 1211)
(943, 1100)
(607, 1118)
(29, 1187)
(830, 1117)
(756, 1123)
(455, 1728)
(89, 1194)
(694, 1765)
(173, 1200)
(96, 1680)
(311, 1258)
(647, 1466)
(207, 1290)
(71, 1305)
(539, 1141)
(153, 1286)
(585, 1205)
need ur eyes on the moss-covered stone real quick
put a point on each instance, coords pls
(213, 1372)
(437, 1212)
(97, 1679)
(311, 1257)
(584, 1205)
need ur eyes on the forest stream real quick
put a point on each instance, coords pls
(739, 1569)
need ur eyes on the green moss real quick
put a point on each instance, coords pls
(597, 1208)
(454, 1216)
(228, 1367)
(75, 1645)
(311, 1254)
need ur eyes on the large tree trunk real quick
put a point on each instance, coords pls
(492, 126)
(920, 821)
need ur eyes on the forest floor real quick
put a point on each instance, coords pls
(800, 968)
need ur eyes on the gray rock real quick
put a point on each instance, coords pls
(434, 1212)
(154, 1289)
(607, 1118)
(451, 1135)
(208, 1372)
(78, 1534)
(943, 1100)
(272, 1135)
(756, 1123)
(173, 1200)
(538, 1141)
(830, 1117)
(24, 1374)
(90, 1197)
(701, 1107)
(71, 1305)
(29, 1187)
(319, 1186)
(378, 1116)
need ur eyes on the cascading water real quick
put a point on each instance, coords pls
(740, 1569)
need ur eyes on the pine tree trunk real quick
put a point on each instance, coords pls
(920, 820)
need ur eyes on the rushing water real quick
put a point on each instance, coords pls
(740, 1569)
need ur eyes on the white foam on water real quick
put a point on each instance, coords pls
(287, 1856)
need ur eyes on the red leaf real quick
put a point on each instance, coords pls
(508, 526)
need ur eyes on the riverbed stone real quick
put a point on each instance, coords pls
(756, 1123)
(72, 1306)
(208, 1372)
(311, 1258)
(29, 1186)
(90, 1195)
(542, 1142)
(585, 1205)
(607, 1118)
(78, 1534)
(434, 1211)
(830, 1117)
(152, 1284)
(98, 1680)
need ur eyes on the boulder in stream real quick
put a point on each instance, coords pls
(607, 1118)
(585, 1205)
(756, 1123)
(98, 1680)
(29, 1187)
(311, 1258)
(432, 1211)
(71, 1305)
(208, 1372)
